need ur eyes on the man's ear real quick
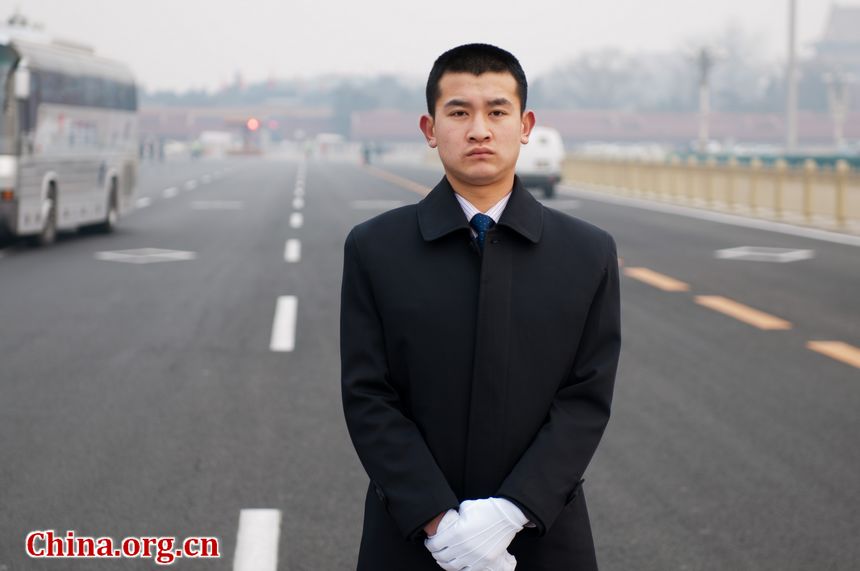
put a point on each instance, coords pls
(528, 123)
(428, 127)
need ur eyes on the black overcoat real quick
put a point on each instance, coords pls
(469, 375)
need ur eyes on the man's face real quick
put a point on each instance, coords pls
(478, 127)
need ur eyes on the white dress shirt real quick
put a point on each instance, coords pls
(495, 211)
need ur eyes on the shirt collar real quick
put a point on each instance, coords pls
(470, 210)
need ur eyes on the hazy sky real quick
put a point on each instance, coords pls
(182, 44)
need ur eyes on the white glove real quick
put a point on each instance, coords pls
(504, 562)
(477, 536)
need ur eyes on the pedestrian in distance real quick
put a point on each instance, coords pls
(480, 336)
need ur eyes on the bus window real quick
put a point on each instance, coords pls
(8, 58)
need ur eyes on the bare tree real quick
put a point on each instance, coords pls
(594, 80)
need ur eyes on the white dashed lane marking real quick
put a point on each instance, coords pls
(217, 205)
(169, 192)
(293, 251)
(284, 325)
(257, 540)
(296, 220)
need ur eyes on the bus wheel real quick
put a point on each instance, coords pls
(549, 190)
(112, 216)
(48, 235)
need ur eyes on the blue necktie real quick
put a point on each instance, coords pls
(481, 223)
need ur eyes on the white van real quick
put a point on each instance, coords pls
(539, 164)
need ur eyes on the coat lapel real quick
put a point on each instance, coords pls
(439, 213)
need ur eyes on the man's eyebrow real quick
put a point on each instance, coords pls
(498, 101)
(457, 103)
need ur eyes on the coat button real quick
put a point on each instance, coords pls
(575, 492)
(379, 493)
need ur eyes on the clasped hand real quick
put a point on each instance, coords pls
(476, 537)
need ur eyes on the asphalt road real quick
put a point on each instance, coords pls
(141, 399)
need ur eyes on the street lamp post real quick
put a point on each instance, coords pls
(838, 90)
(791, 81)
(705, 61)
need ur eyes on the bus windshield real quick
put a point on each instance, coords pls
(7, 95)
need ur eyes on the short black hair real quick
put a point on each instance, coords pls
(475, 59)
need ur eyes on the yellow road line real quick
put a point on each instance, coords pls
(742, 312)
(655, 279)
(838, 350)
(399, 180)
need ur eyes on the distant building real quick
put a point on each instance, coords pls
(187, 123)
(618, 126)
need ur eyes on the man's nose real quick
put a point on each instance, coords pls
(478, 129)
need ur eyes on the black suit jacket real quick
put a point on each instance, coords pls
(469, 375)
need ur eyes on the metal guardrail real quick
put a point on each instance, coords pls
(803, 194)
(822, 161)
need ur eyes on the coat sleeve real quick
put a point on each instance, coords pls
(390, 446)
(547, 476)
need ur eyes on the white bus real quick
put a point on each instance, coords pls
(68, 137)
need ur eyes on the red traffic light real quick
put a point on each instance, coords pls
(252, 124)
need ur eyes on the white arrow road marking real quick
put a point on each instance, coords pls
(145, 255)
(763, 254)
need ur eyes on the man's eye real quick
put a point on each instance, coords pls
(458, 113)
(500, 112)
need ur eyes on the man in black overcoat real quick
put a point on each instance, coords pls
(480, 335)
